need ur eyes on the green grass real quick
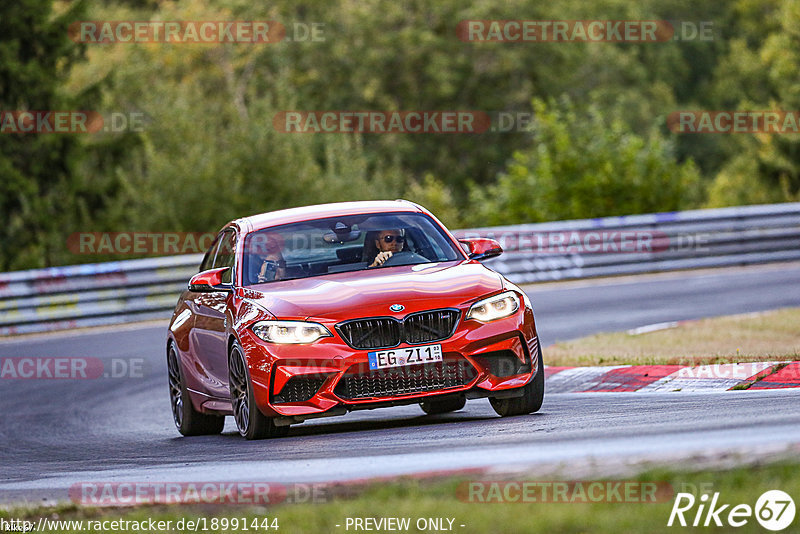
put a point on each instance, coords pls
(756, 337)
(439, 498)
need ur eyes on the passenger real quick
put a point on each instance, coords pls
(273, 267)
(267, 255)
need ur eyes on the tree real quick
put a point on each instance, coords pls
(37, 186)
(585, 165)
(761, 75)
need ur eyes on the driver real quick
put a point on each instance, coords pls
(388, 243)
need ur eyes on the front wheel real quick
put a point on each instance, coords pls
(531, 399)
(189, 421)
(252, 424)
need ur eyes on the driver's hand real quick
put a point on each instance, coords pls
(262, 274)
(381, 258)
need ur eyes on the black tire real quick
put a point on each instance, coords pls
(433, 407)
(189, 421)
(252, 424)
(531, 399)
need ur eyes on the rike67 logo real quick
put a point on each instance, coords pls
(774, 510)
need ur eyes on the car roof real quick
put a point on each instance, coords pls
(321, 211)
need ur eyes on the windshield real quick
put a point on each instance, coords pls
(344, 244)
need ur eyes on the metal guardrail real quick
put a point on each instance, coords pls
(672, 241)
(61, 298)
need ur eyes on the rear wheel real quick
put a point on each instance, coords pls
(433, 407)
(189, 421)
(531, 399)
(252, 424)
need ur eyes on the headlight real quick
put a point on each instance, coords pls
(495, 307)
(290, 331)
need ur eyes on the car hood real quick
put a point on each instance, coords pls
(342, 296)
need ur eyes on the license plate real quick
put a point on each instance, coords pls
(408, 356)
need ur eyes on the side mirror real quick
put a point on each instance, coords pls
(209, 281)
(481, 248)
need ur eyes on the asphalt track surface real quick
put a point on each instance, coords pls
(55, 433)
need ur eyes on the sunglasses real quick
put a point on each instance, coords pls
(390, 238)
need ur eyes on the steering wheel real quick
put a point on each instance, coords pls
(405, 257)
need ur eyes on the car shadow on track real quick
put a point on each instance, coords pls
(313, 428)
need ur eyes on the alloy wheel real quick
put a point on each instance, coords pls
(240, 391)
(175, 391)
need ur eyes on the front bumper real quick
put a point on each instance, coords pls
(328, 377)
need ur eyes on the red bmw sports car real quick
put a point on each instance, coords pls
(316, 311)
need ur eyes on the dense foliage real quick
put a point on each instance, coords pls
(208, 152)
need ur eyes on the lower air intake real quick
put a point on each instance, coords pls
(299, 389)
(503, 363)
(368, 384)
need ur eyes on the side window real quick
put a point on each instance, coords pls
(226, 254)
(208, 259)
